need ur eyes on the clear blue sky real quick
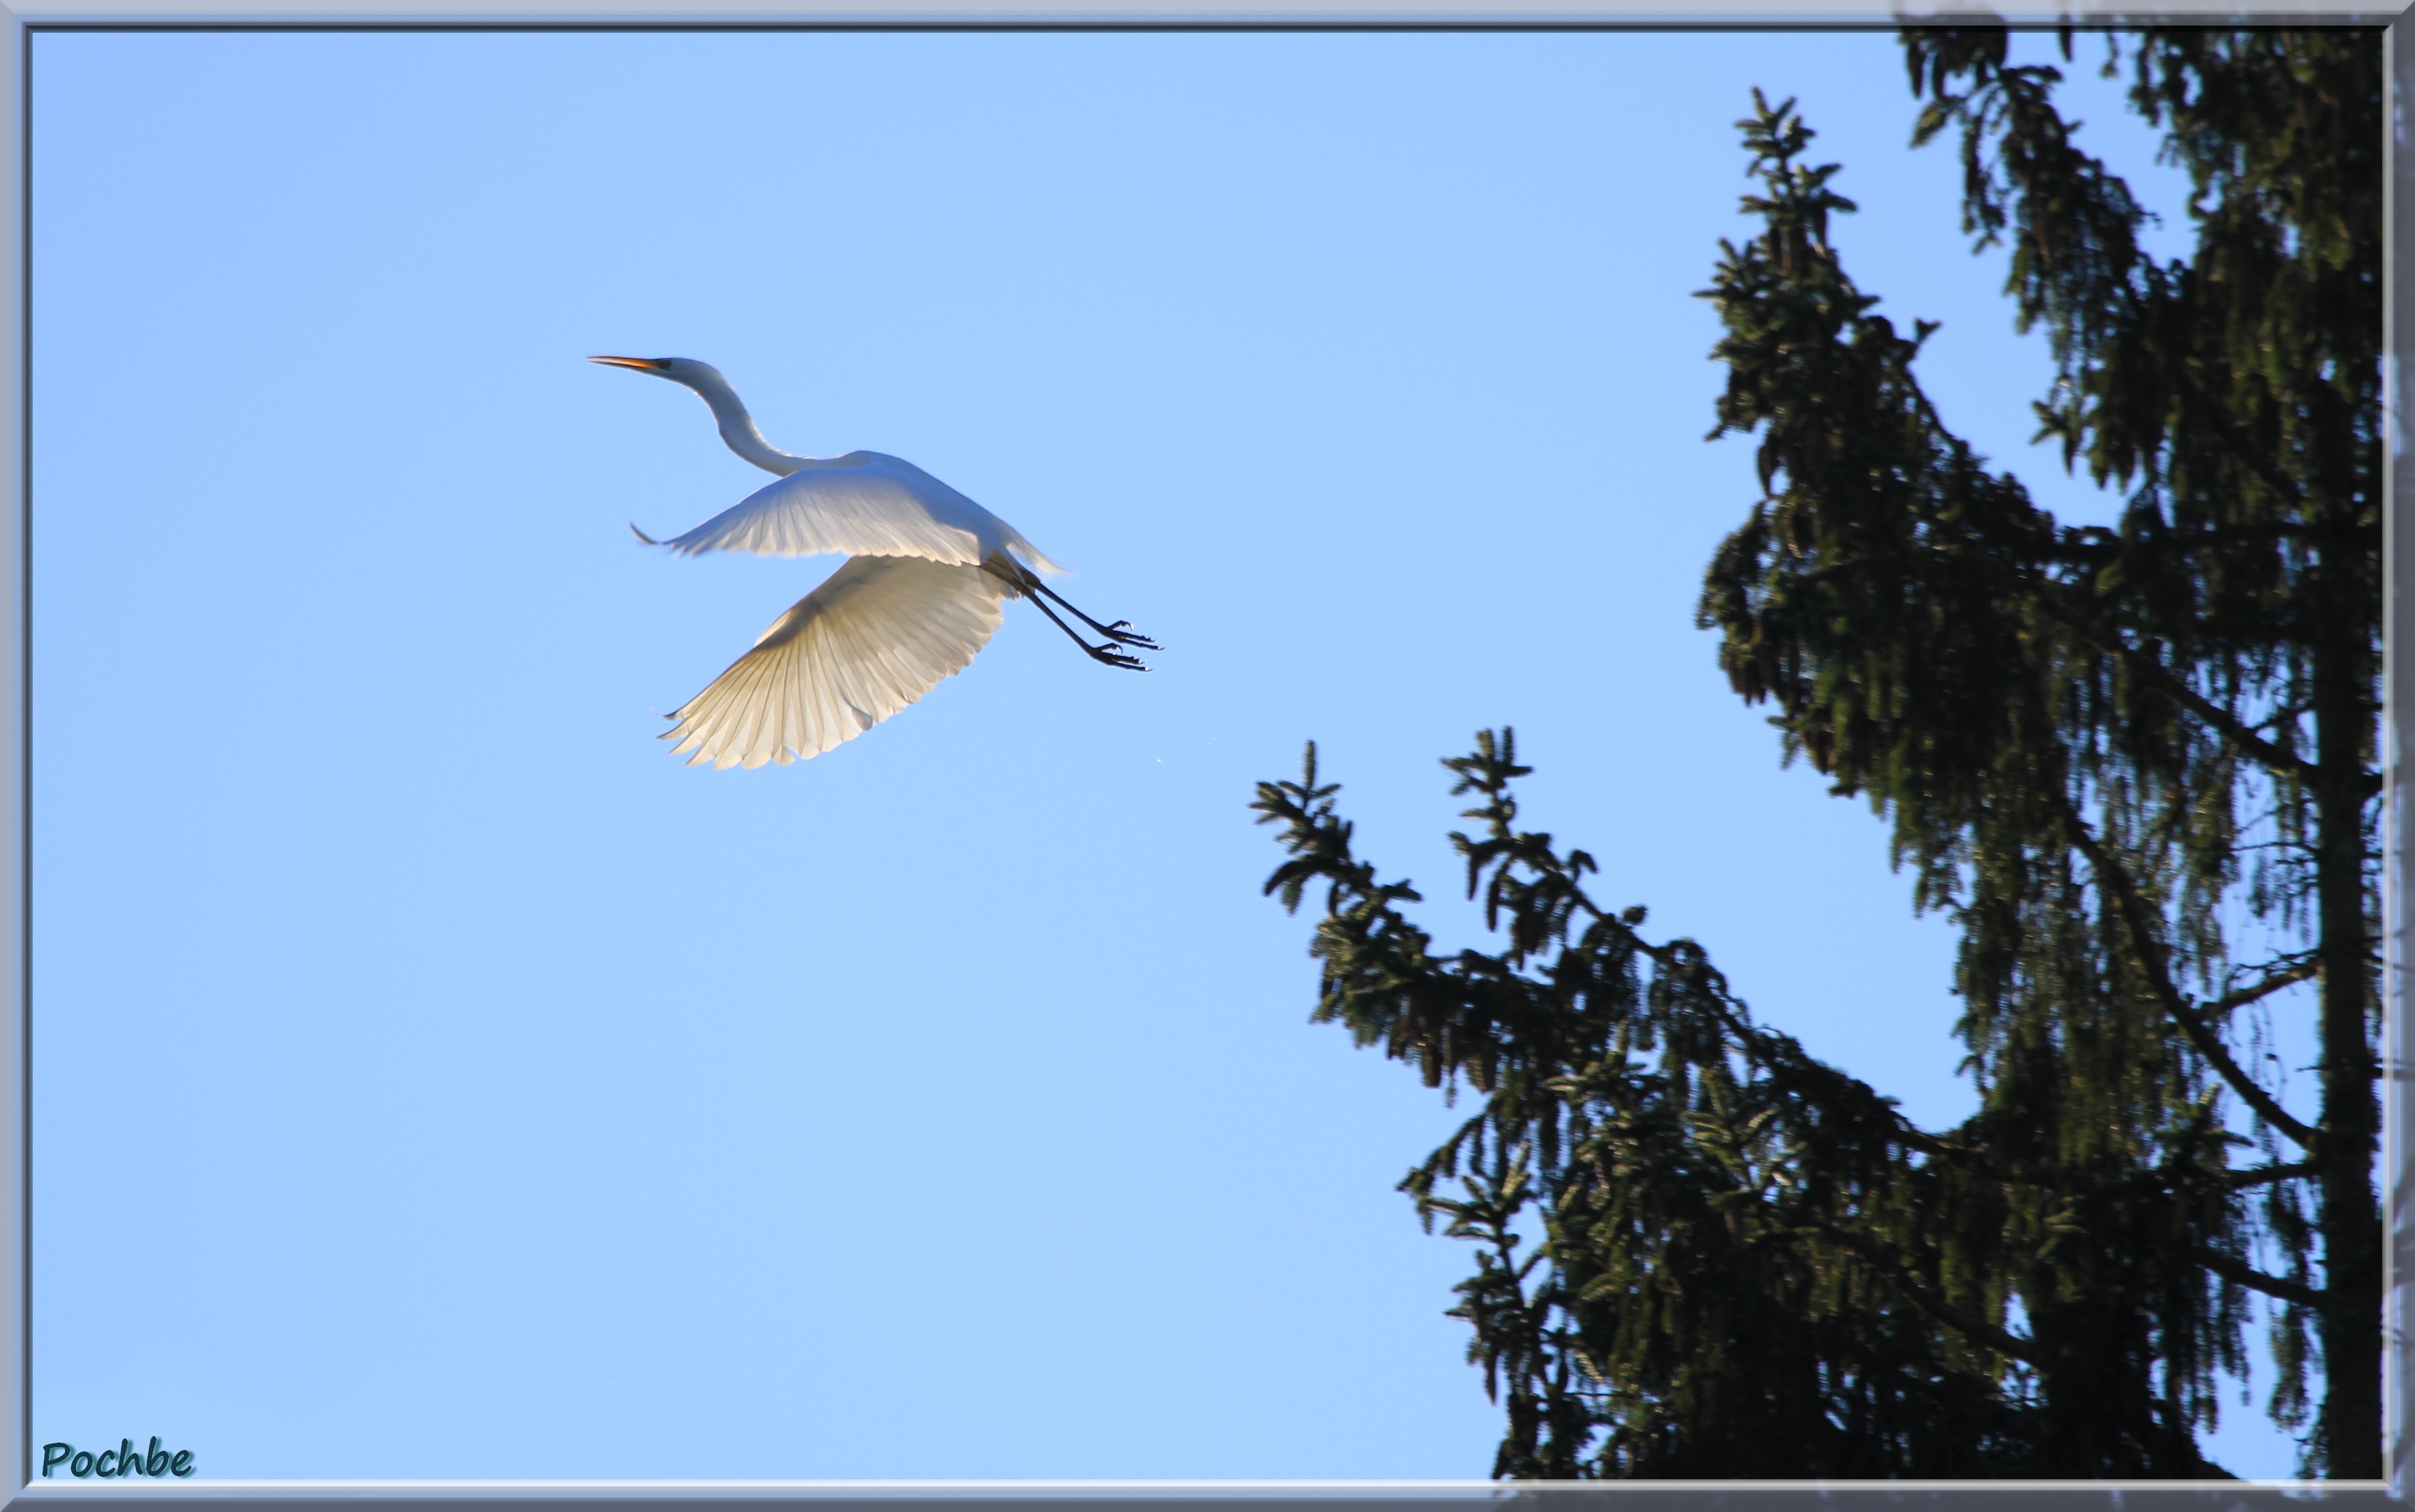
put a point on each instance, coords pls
(436, 1079)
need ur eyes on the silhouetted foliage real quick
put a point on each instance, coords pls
(2101, 751)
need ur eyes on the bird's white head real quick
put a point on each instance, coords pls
(695, 375)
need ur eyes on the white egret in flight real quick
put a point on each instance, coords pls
(918, 594)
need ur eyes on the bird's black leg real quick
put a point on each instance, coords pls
(1106, 654)
(1014, 575)
(1120, 632)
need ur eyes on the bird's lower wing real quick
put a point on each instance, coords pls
(865, 504)
(876, 634)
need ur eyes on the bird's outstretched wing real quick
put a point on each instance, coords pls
(866, 504)
(876, 634)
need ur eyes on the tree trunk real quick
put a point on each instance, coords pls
(2348, 1430)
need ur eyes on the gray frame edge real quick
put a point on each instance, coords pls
(16, 897)
(1181, 14)
(16, 624)
(1250, 1496)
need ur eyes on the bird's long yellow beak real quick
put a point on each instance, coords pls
(643, 364)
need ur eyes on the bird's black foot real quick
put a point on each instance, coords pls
(1122, 634)
(1108, 655)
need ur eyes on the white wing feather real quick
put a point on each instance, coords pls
(866, 504)
(876, 634)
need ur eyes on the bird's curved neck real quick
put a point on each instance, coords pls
(737, 428)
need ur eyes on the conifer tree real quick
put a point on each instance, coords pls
(2100, 751)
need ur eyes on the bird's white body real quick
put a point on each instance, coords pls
(865, 504)
(922, 593)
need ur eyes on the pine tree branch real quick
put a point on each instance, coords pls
(2240, 1273)
(2055, 599)
(2227, 427)
(2303, 971)
(2256, 1176)
(2148, 948)
(1961, 1319)
(2162, 679)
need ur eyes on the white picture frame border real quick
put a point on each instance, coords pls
(19, 1481)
